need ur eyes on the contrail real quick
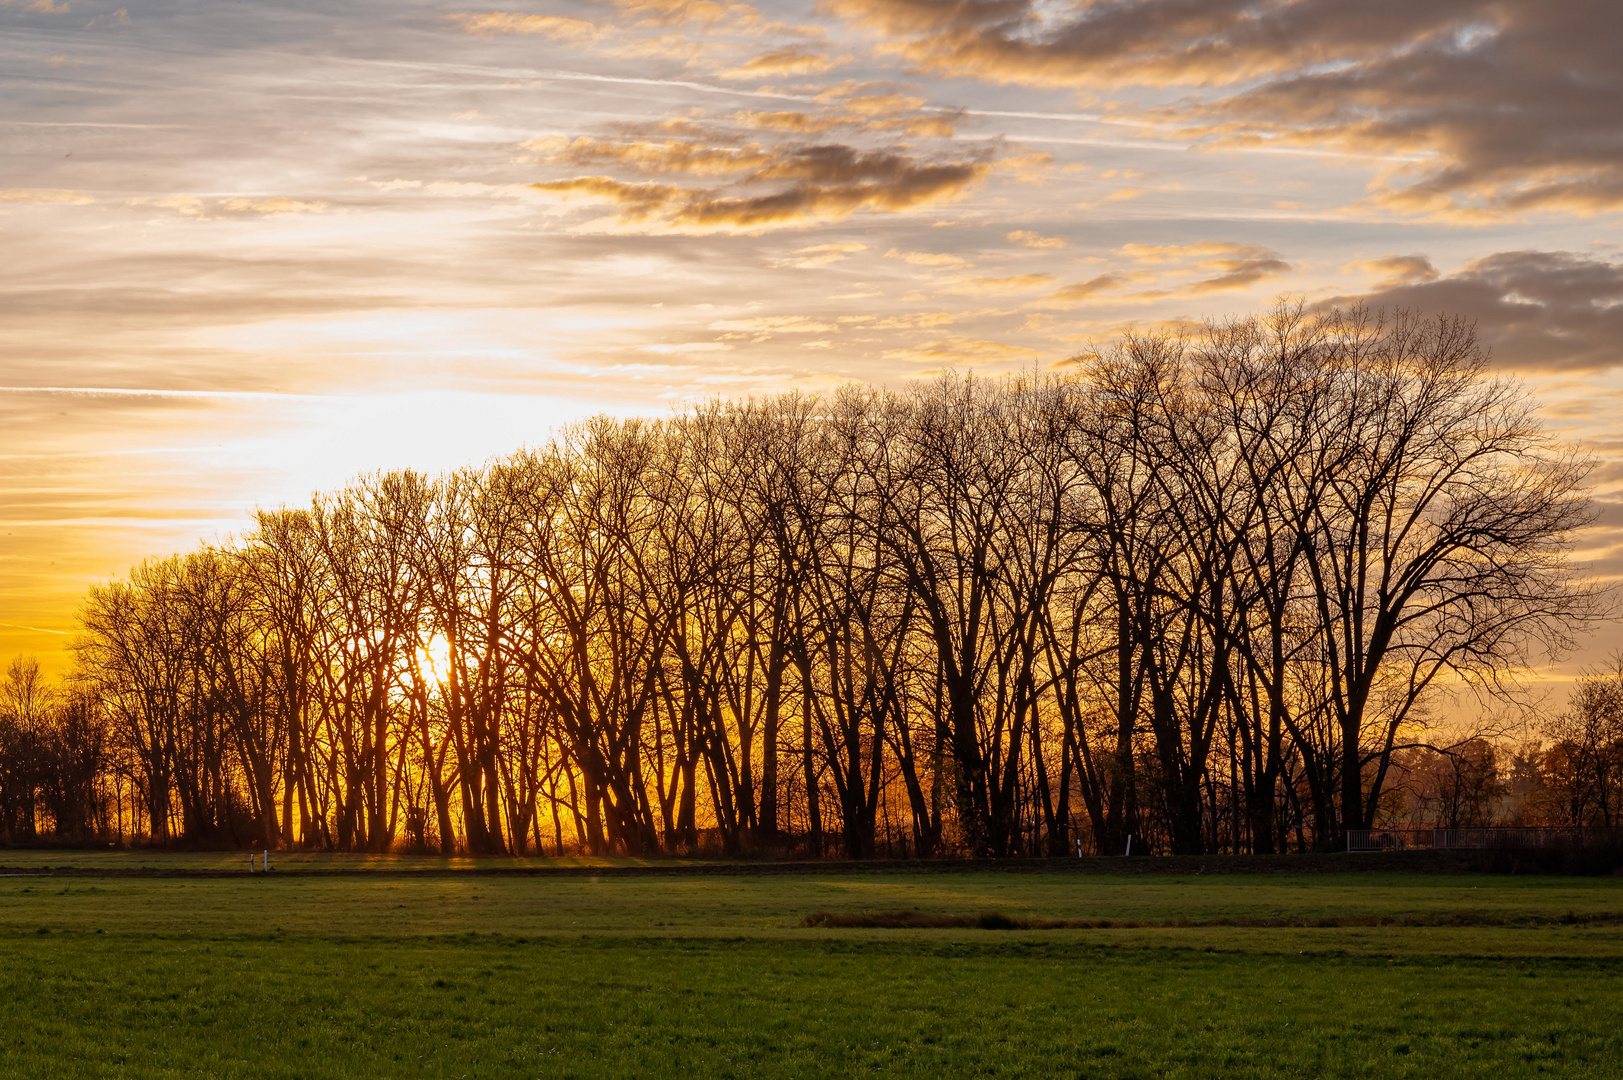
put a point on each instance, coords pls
(35, 629)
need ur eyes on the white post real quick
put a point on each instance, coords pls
(1129, 843)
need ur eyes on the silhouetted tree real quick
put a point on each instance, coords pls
(1196, 589)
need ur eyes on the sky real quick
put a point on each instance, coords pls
(251, 250)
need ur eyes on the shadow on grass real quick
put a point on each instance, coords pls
(913, 919)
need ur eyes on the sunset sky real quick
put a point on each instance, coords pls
(253, 249)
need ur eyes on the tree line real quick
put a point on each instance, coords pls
(1204, 590)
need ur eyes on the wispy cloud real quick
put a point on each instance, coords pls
(556, 27)
(1027, 238)
(27, 195)
(209, 209)
(1390, 270)
(816, 255)
(791, 61)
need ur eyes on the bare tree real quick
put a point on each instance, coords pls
(1199, 590)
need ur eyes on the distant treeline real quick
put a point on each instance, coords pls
(1207, 591)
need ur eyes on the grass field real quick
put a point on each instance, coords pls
(438, 975)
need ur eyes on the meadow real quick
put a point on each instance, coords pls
(441, 973)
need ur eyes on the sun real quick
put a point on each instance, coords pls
(434, 659)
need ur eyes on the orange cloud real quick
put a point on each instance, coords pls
(809, 258)
(918, 321)
(1084, 290)
(36, 195)
(669, 156)
(1396, 269)
(1169, 253)
(206, 210)
(779, 62)
(920, 127)
(273, 206)
(876, 106)
(1240, 265)
(556, 27)
(931, 259)
(796, 123)
(1157, 42)
(820, 183)
(957, 351)
(1241, 271)
(1027, 238)
(668, 29)
(774, 324)
(869, 112)
(768, 186)
(1032, 168)
(1002, 286)
(705, 12)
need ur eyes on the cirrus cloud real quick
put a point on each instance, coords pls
(555, 27)
(688, 157)
(1027, 238)
(818, 255)
(35, 195)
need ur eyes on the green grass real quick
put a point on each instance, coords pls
(716, 976)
